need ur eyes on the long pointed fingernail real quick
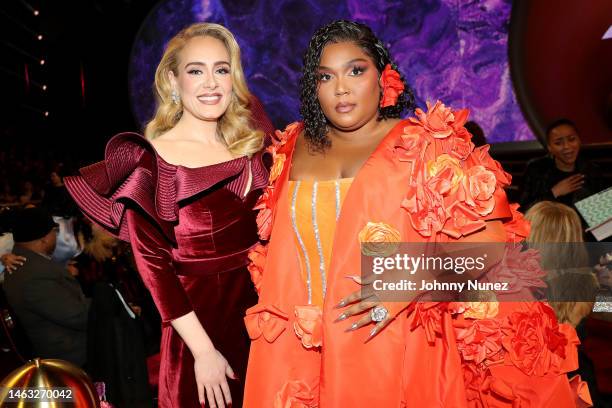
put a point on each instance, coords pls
(354, 278)
(372, 334)
(341, 304)
(352, 327)
(341, 317)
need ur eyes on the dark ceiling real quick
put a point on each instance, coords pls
(83, 41)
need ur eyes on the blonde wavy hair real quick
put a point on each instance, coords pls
(554, 222)
(556, 231)
(100, 245)
(234, 128)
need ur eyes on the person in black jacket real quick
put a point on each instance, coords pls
(562, 175)
(46, 298)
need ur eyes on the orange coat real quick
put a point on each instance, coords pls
(420, 359)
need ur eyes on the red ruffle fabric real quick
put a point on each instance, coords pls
(132, 171)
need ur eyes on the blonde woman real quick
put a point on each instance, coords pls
(183, 197)
(556, 232)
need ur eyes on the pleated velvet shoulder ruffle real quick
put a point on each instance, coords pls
(133, 173)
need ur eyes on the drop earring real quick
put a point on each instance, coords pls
(175, 97)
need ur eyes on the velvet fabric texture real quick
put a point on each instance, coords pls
(190, 231)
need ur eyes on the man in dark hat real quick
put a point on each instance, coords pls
(48, 300)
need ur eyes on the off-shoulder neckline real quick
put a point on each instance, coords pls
(207, 166)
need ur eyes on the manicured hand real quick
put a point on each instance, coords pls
(568, 185)
(360, 302)
(12, 261)
(211, 370)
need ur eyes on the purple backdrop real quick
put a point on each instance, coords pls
(453, 50)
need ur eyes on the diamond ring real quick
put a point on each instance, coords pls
(379, 313)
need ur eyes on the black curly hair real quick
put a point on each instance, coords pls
(315, 122)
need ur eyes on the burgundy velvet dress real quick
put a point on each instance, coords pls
(190, 230)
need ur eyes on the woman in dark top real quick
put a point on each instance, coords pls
(562, 176)
(183, 197)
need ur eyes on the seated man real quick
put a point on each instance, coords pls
(46, 298)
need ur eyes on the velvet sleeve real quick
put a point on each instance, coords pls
(153, 255)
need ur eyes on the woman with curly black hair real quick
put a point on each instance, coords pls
(344, 182)
(315, 119)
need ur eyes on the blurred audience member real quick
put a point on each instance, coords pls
(8, 260)
(27, 194)
(572, 286)
(67, 246)
(46, 298)
(57, 200)
(562, 175)
(556, 232)
(478, 136)
(123, 322)
(6, 195)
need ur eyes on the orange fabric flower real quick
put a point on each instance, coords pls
(462, 221)
(480, 341)
(379, 239)
(295, 394)
(481, 156)
(518, 228)
(266, 202)
(426, 209)
(481, 310)
(277, 166)
(533, 341)
(281, 136)
(443, 162)
(480, 186)
(257, 258)
(520, 269)
(309, 325)
(455, 188)
(392, 86)
(266, 320)
(264, 216)
(437, 121)
(264, 223)
(460, 144)
(455, 307)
